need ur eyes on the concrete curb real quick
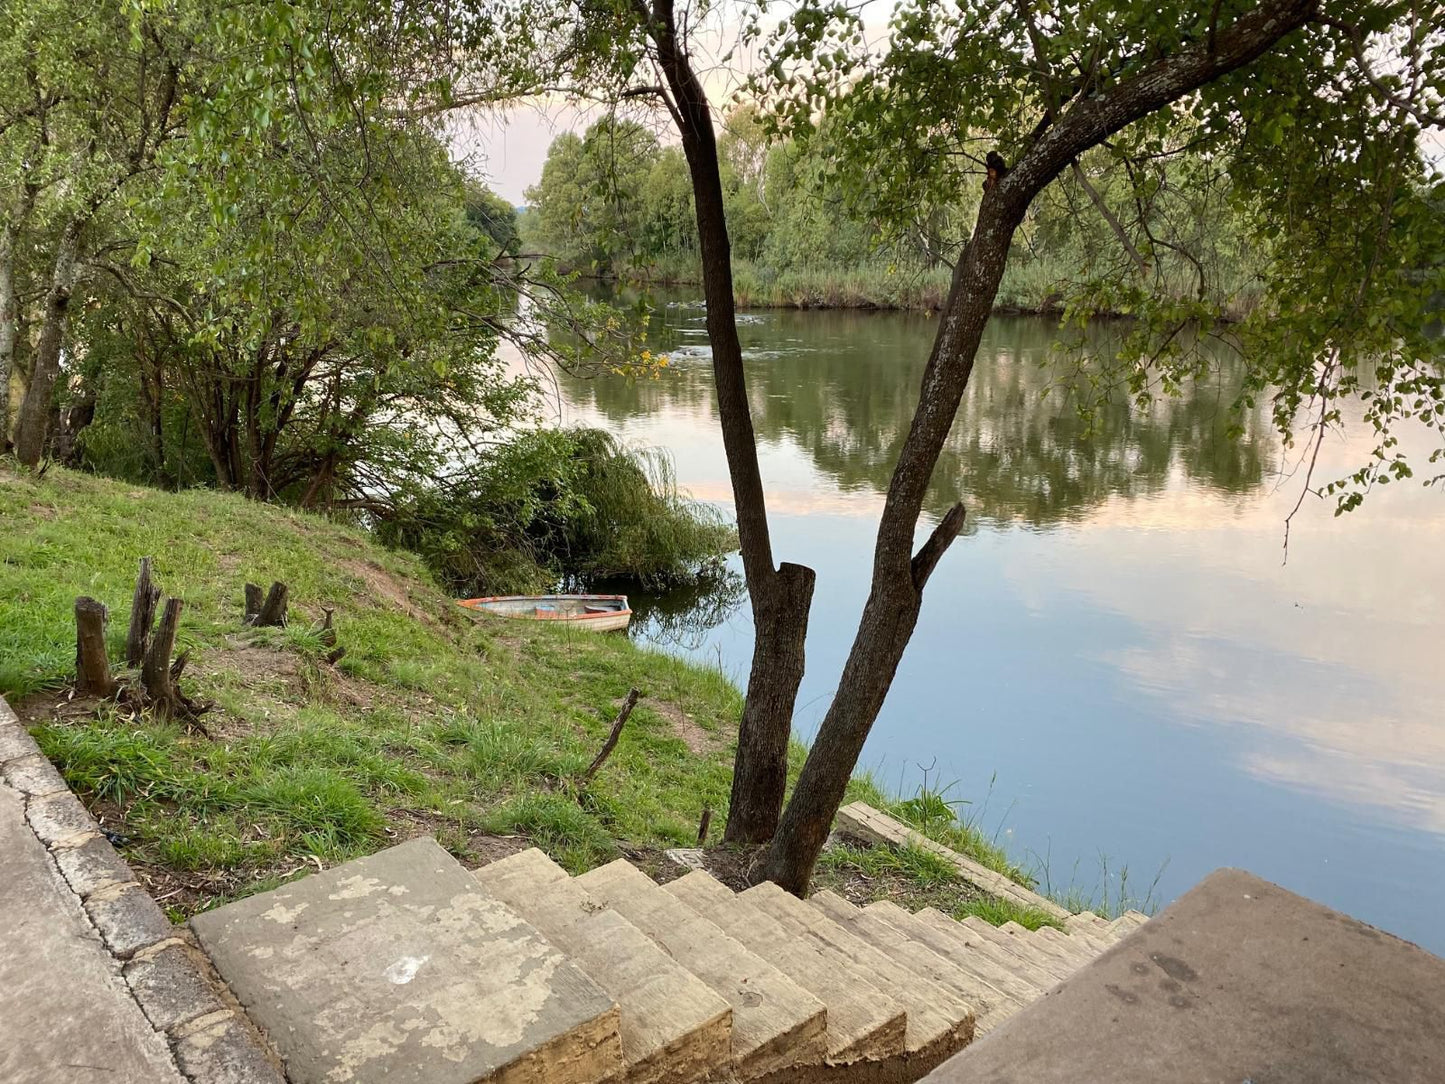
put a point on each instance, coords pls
(209, 1037)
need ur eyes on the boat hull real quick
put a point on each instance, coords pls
(590, 613)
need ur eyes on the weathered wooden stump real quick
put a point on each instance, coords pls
(92, 666)
(267, 613)
(142, 615)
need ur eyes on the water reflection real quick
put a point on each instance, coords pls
(841, 386)
(1118, 650)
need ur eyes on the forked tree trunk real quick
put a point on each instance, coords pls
(899, 576)
(781, 597)
(92, 665)
(33, 423)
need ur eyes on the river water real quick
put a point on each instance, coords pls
(1115, 666)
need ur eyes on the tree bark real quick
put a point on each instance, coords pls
(92, 665)
(760, 768)
(895, 595)
(273, 610)
(255, 599)
(781, 597)
(9, 323)
(34, 419)
(155, 675)
(142, 615)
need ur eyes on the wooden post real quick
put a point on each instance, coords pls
(273, 610)
(142, 615)
(254, 601)
(92, 667)
(155, 675)
(611, 742)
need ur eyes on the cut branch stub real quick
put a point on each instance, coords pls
(255, 599)
(92, 666)
(142, 615)
(273, 610)
(611, 742)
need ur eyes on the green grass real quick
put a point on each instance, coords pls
(435, 721)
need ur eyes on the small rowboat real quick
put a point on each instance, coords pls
(595, 613)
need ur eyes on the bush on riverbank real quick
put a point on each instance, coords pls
(470, 728)
(559, 505)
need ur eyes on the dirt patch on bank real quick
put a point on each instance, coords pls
(698, 739)
(386, 588)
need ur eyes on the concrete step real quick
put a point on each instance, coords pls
(399, 968)
(864, 1024)
(1029, 972)
(938, 1021)
(1090, 924)
(886, 937)
(1128, 922)
(673, 1027)
(1076, 949)
(1048, 940)
(1022, 948)
(1016, 990)
(776, 1023)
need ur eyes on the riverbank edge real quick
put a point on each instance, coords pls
(472, 730)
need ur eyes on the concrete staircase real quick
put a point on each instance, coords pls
(405, 967)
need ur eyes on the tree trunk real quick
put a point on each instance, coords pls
(31, 428)
(155, 675)
(92, 665)
(896, 593)
(142, 615)
(9, 324)
(781, 597)
(760, 768)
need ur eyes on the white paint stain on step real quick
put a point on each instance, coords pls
(405, 969)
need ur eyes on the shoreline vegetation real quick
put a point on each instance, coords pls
(473, 729)
(616, 204)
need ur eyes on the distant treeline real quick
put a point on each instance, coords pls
(616, 203)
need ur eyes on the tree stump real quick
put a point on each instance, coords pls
(255, 599)
(142, 615)
(92, 666)
(273, 611)
(156, 676)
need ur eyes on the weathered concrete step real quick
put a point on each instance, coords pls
(862, 820)
(1017, 991)
(863, 1023)
(1030, 973)
(776, 1023)
(674, 1028)
(923, 960)
(1056, 943)
(1074, 949)
(938, 1021)
(399, 968)
(1021, 948)
(1128, 922)
(1086, 922)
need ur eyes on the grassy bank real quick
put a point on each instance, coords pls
(470, 728)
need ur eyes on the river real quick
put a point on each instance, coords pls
(1115, 667)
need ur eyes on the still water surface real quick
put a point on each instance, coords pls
(1114, 664)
